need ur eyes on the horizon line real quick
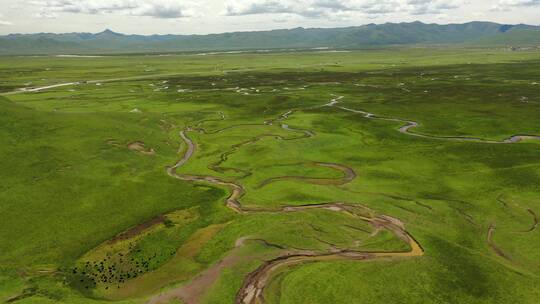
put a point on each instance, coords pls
(108, 29)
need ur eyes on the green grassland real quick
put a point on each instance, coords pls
(76, 191)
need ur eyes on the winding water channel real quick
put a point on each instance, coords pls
(255, 283)
(409, 124)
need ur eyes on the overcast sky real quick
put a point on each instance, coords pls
(216, 16)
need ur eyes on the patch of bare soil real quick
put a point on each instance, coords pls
(140, 147)
(137, 230)
(192, 292)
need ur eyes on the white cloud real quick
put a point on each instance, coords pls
(424, 7)
(156, 8)
(328, 8)
(4, 22)
(520, 2)
(506, 5)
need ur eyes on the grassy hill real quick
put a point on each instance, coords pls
(520, 37)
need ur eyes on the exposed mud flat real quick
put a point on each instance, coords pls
(193, 291)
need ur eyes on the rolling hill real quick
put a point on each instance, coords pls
(366, 36)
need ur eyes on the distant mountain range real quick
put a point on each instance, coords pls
(366, 36)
